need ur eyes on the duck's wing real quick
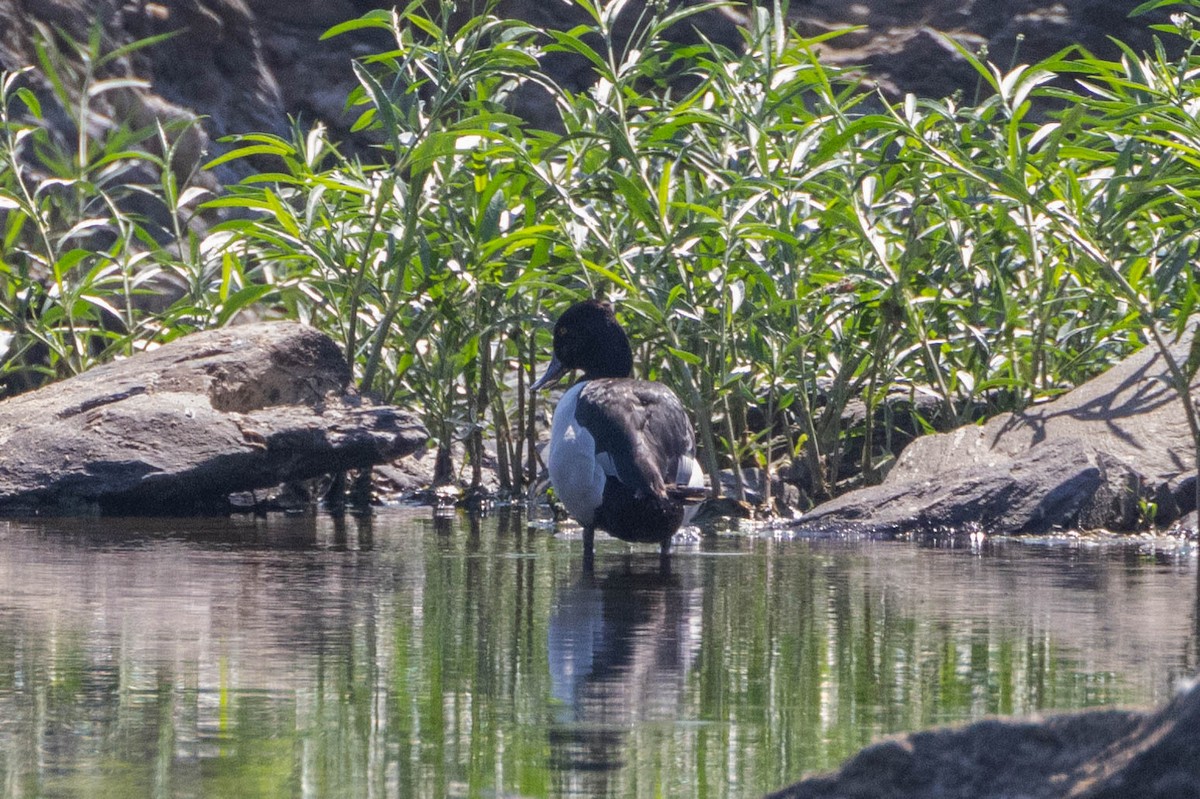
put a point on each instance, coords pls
(644, 431)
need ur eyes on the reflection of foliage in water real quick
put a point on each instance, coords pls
(411, 659)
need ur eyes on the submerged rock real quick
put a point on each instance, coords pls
(1114, 453)
(178, 429)
(1105, 753)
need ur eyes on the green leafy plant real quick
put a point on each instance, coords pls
(80, 255)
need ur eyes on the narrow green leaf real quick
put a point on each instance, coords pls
(685, 356)
(241, 300)
(68, 261)
(378, 18)
(31, 102)
(246, 152)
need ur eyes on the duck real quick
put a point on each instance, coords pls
(622, 454)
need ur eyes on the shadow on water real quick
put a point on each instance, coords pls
(276, 532)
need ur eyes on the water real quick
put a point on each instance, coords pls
(411, 657)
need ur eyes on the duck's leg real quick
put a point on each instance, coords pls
(589, 540)
(664, 557)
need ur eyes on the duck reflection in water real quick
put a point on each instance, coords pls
(620, 650)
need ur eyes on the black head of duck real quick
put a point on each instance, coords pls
(588, 337)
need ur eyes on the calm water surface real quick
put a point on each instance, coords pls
(404, 656)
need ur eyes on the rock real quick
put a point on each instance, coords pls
(1101, 456)
(902, 47)
(1092, 755)
(1188, 525)
(416, 477)
(243, 66)
(180, 428)
(841, 424)
(721, 508)
(784, 496)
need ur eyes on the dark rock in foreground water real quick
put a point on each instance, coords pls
(178, 429)
(1106, 753)
(1104, 455)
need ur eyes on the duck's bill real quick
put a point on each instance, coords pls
(551, 376)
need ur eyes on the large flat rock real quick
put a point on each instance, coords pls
(1100, 456)
(177, 429)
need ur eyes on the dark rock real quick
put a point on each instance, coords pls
(900, 416)
(413, 477)
(1187, 525)
(1101, 456)
(1107, 753)
(784, 497)
(905, 61)
(240, 66)
(902, 47)
(180, 428)
(1039, 493)
(723, 508)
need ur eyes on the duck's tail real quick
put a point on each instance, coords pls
(687, 495)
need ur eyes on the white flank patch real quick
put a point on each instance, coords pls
(577, 476)
(690, 475)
